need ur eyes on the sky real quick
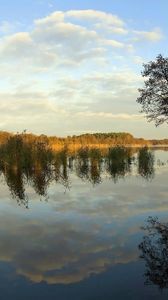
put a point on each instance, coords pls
(71, 67)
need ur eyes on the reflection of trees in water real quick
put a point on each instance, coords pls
(119, 161)
(40, 181)
(154, 251)
(16, 182)
(95, 172)
(23, 163)
(82, 164)
(38, 166)
(62, 164)
(146, 163)
(89, 165)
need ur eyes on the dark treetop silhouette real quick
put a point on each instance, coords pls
(154, 96)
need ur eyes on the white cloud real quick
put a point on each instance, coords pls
(113, 43)
(59, 53)
(152, 36)
(16, 46)
(53, 18)
(111, 29)
(94, 16)
(58, 39)
(122, 116)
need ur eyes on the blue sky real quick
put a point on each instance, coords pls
(69, 67)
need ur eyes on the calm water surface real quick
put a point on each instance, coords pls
(81, 238)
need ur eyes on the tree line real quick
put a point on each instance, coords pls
(83, 140)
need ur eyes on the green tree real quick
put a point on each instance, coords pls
(154, 95)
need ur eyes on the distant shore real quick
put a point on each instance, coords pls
(95, 140)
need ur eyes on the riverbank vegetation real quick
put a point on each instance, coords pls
(74, 143)
(32, 162)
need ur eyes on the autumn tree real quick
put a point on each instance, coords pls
(154, 95)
